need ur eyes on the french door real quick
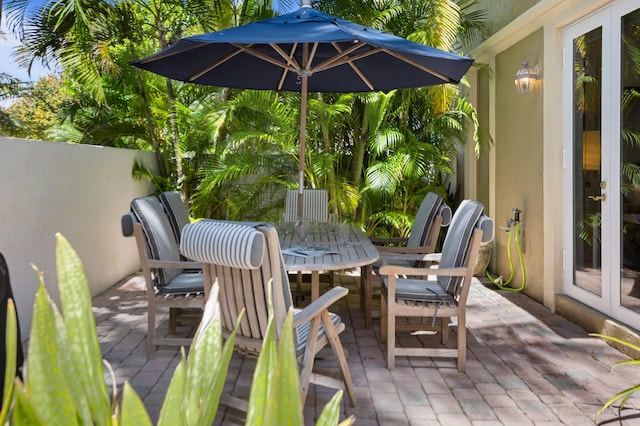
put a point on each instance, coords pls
(602, 161)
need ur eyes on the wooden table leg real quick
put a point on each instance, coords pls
(315, 285)
(366, 293)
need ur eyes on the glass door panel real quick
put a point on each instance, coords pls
(629, 105)
(588, 183)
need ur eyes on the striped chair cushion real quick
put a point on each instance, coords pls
(314, 205)
(224, 243)
(457, 241)
(176, 211)
(425, 216)
(302, 332)
(160, 239)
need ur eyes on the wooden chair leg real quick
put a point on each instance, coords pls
(338, 350)
(309, 356)
(151, 332)
(391, 338)
(462, 343)
(383, 318)
(445, 330)
(174, 313)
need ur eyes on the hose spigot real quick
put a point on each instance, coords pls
(516, 214)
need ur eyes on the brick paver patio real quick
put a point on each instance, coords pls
(525, 365)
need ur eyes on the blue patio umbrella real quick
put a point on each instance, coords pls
(306, 51)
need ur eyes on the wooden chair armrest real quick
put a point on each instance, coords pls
(387, 240)
(319, 305)
(422, 272)
(173, 264)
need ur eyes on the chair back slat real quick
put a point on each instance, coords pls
(314, 205)
(242, 288)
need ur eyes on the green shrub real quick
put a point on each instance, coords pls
(64, 377)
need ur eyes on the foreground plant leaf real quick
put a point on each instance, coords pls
(623, 395)
(46, 383)
(133, 410)
(11, 336)
(84, 348)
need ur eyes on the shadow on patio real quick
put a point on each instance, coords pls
(525, 365)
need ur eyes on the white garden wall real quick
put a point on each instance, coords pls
(80, 191)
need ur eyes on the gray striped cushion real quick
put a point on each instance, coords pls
(302, 331)
(457, 241)
(425, 216)
(234, 244)
(160, 239)
(314, 205)
(176, 211)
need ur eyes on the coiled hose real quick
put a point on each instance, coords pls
(498, 282)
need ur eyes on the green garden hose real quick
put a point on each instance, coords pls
(498, 282)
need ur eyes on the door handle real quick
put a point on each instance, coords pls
(602, 197)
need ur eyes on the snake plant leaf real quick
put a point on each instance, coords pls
(23, 412)
(171, 413)
(133, 410)
(218, 374)
(84, 349)
(70, 369)
(331, 412)
(284, 405)
(262, 375)
(203, 355)
(11, 347)
(46, 382)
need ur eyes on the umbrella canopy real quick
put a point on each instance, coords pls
(304, 51)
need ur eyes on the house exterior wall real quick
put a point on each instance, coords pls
(525, 165)
(80, 191)
(518, 165)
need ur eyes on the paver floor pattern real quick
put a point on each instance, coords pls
(525, 365)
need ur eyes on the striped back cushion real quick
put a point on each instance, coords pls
(424, 218)
(456, 243)
(314, 205)
(160, 239)
(223, 243)
(176, 211)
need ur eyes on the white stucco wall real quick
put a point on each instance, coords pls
(80, 191)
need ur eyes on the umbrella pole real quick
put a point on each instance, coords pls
(303, 137)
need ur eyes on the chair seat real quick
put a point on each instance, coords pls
(420, 290)
(187, 282)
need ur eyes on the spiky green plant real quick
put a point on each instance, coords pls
(623, 395)
(64, 378)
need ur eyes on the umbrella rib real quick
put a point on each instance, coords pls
(214, 65)
(342, 53)
(289, 57)
(419, 66)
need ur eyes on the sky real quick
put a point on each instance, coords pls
(8, 64)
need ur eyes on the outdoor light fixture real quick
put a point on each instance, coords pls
(526, 78)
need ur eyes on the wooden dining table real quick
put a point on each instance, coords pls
(325, 248)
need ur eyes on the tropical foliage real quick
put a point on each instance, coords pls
(234, 152)
(64, 375)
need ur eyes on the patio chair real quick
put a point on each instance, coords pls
(169, 280)
(315, 205)
(435, 294)
(5, 295)
(432, 215)
(246, 262)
